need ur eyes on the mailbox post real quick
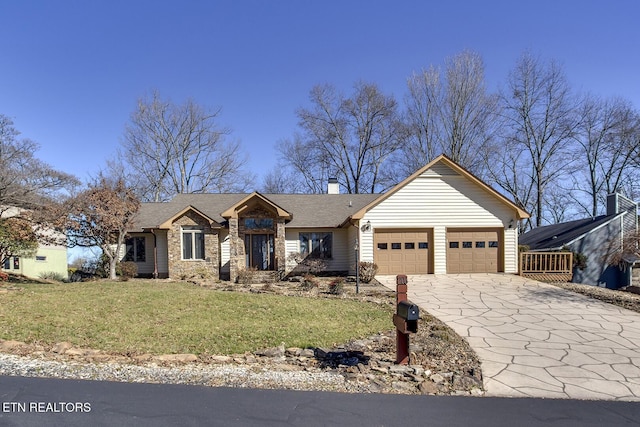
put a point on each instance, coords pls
(405, 320)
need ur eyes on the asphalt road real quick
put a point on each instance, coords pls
(54, 402)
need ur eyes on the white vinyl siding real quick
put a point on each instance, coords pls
(162, 251)
(511, 256)
(225, 251)
(340, 260)
(440, 199)
(146, 267)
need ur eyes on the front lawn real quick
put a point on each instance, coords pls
(161, 318)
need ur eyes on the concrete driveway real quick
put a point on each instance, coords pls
(534, 339)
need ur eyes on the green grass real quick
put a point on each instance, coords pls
(159, 318)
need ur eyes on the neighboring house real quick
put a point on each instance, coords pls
(596, 238)
(48, 258)
(441, 219)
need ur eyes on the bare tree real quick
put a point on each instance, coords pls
(451, 114)
(541, 122)
(349, 138)
(508, 169)
(169, 149)
(26, 181)
(468, 113)
(422, 120)
(280, 180)
(607, 137)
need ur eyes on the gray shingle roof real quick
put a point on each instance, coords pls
(557, 235)
(308, 210)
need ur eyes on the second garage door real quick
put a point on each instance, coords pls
(402, 251)
(474, 250)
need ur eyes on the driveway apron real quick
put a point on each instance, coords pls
(534, 339)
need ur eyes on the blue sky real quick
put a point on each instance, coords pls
(71, 71)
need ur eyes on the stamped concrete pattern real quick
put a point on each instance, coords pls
(534, 339)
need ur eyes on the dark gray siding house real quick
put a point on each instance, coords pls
(596, 238)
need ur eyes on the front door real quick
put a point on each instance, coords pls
(260, 251)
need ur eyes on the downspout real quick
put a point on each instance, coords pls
(155, 253)
(357, 250)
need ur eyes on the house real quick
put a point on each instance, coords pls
(441, 219)
(49, 259)
(596, 238)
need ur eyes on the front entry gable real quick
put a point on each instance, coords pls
(194, 214)
(256, 235)
(253, 201)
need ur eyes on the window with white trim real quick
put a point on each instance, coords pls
(192, 243)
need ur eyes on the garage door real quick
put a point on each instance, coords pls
(402, 251)
(474, 250)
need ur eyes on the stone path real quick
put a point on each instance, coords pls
(534, 339)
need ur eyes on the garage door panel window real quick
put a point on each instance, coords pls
(493, 244)
(480, 244)
(454, 245)
(467, 245)
(402, 251)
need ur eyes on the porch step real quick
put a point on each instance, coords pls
(265, 276)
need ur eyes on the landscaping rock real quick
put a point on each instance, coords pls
(181, 358)
(466, 382)
(437, 379)
(307, 352)
(272, 352)
(9, 345)
(75, 352)
(61, 347)
(428, 387)
(400, 369)
(404, 387)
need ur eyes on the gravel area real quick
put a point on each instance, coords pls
(628, 297)
(189, 373)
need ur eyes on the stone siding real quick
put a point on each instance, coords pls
(179, 268)
(237, 234)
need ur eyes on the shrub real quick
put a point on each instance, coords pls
(367, 271)
(102, 267)
(579, 259)
(336, 286)
(309, 282)
(52, 275)
(203, 273)
(247, 275)
(128, 270)
(307, 264)
(3, 276)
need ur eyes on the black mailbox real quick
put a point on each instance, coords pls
(408, 310)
